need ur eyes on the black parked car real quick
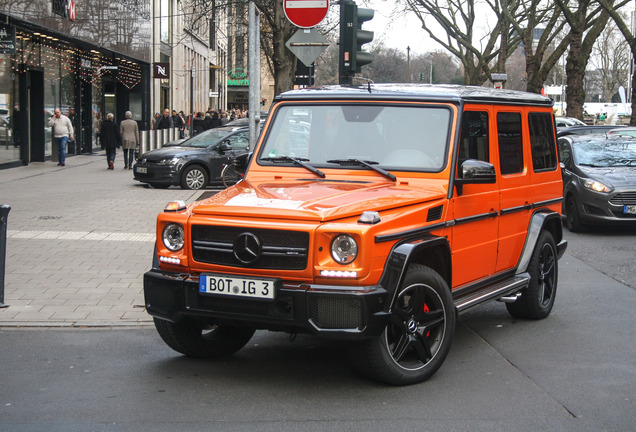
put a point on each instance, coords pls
(586, 130)
(599, 180)
(194, 163)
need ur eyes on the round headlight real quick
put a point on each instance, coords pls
(173, 237)
(344, 249)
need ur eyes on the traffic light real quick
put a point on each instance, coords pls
(352, 37)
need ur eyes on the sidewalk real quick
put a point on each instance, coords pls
(79, 240)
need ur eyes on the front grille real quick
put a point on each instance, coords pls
(336, 313)
(624, 198)
(280, 249)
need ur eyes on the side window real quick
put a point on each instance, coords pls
(473, 141)
(510, 142)
(565, 155)
(542, 142)
(240, 141)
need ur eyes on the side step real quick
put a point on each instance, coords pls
(504, 290)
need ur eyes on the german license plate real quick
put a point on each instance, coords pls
(142, 170)
(629, 209)
(255, 288)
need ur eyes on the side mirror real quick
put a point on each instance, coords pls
(225, 146)
(241, 162)
(474, 171)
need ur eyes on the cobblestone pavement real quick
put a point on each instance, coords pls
(79, 239)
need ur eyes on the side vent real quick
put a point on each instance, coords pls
(435, 213)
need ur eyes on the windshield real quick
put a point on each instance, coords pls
(207, 138)
(413, 137)
(605, 153)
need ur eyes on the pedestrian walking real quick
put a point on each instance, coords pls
(62, 130)
(111, 139)
(129, 139)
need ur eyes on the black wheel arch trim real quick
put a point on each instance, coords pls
(540, 220)
(403, 254)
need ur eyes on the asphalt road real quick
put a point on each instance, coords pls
(573, 371)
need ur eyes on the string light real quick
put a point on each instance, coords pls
(39, 50)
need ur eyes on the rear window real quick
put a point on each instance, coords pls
(542, 142)
(510, 142)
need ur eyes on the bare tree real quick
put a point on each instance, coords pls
(457, 19)
(612, 10)
(586, 19)
(610, 60)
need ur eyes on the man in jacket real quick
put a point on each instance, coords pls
(165, 121)
(129, 131)
(62, 130)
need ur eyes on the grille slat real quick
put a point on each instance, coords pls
(624, 198)
(281, 249)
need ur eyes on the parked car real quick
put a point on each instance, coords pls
(564, 122)
(371, 214)
(625, 131)
(599, 180)
(194, 163)
(587, 130)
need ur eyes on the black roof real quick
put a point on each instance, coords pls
(432, 92)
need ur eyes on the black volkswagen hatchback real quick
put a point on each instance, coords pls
(194, 163)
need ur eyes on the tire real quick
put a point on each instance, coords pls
(417, 338)
(572, 218)
(537, 299)
(229, 175)
(203, 340)
(194, 177)
(159, 185)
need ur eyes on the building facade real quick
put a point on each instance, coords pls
(87, 61)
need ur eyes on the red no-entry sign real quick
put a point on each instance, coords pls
(306, 13)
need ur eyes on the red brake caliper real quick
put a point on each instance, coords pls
(426, 310)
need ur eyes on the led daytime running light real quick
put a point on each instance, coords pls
(338, 274)
(169, 260)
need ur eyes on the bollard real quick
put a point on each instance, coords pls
(4, 214)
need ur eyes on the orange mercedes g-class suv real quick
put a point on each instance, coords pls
(374, 214)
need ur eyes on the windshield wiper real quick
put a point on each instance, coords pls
(297, 161)
(367, 164)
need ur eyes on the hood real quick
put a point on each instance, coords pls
(618, 177)
(314, 200)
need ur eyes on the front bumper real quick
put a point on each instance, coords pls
(156, 174)
(328, 311)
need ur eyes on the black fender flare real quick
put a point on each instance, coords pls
(404, 254)
(540, 220)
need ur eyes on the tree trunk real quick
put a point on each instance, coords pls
(284, 60)
(575, 69)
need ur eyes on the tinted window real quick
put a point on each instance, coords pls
(473, 143)
(510, 142)
(542, 141)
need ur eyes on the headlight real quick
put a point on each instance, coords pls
(171, 161)
(596, 186)
(344, 249)
(173, 237)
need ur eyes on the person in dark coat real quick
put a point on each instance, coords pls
(165, 121)
(198, 124)
(111, 139)
(207, 121)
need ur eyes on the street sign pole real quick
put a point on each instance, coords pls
(254, 66)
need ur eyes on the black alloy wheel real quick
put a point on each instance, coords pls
(418, 336)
